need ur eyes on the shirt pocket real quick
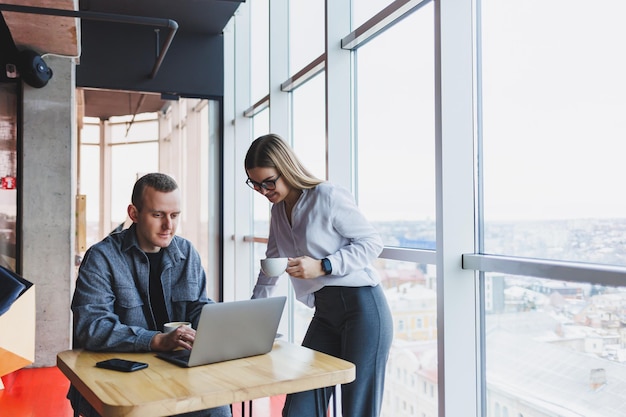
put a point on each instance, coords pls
(187, 291)
(128, 297)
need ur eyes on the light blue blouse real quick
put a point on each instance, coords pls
(326, 223)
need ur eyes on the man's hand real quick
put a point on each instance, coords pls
(304, 267)
(181, 337)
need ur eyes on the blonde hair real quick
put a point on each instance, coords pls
(271, 151)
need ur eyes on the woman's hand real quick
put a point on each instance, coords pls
(183, 337)
(304, 267)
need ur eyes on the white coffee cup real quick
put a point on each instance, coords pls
(273, 267)
(173, 325)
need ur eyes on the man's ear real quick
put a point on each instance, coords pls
(133, 213)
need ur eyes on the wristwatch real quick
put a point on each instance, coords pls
(326, 266)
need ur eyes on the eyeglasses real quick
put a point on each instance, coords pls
(265, 185)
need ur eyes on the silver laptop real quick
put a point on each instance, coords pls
(231, 330)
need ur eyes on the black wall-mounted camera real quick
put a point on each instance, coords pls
(33, 69)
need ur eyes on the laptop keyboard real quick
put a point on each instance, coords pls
(180, 354)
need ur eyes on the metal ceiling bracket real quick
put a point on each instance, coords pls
(170, 24)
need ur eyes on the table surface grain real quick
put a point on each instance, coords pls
(164, 389)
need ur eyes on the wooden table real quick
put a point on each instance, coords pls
(164, 389)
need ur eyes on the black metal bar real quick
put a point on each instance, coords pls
(142, 98)
(317, 401)
(157, 42)
(172, 25)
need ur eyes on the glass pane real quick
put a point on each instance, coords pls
(145, 127)
(411, 380)
(363, 10)
(396, 189)
(90, 132)
(553, 129)
(90, 187)
(129, 162)
(309, 125)
(209, 115)
(262, 206)
(554, 348)
(261, 123)
(306, 33)
(259, 50)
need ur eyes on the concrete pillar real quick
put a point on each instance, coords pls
(48, 169)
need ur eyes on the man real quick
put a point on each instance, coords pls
(134, 281)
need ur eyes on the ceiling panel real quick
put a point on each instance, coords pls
(61, 35)
(106, 103)
(41, 33)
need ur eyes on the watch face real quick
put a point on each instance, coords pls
(326, 266)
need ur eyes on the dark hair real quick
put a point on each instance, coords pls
(271, 151)
(160, 182)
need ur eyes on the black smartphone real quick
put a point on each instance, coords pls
(122, 365)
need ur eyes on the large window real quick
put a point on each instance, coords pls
(483, 138)
(89, 173)
(134, 152)
(262, 206)
(182, 141)
(396, 190)
(553, 129)
(260, 202)
(395, 110)
(411, 379)
(306, 32)
(259, 51)
(552, 91)
(554, 347)
(309, 138)
(362, 10)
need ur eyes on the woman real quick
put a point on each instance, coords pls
(330, 246)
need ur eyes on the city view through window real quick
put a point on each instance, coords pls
(552, 91)
(553, 348)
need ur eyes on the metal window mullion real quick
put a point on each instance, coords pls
(457, 312)
(280, 110)
(238, 218)
(339, 135)
(192, 171)
(106, 174)
(225, 231)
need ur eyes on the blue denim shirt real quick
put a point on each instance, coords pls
(111, 305)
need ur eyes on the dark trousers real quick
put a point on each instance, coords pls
(355, 324)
